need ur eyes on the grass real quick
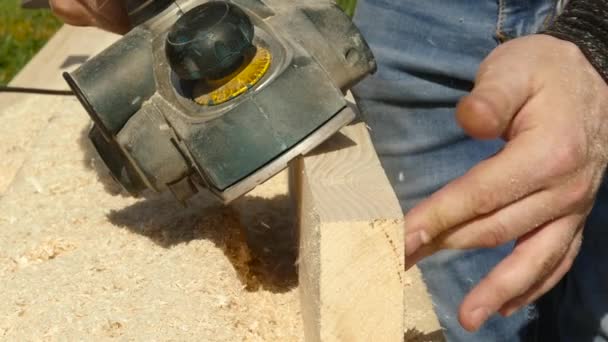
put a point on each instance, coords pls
(348, 6)
(22, 34)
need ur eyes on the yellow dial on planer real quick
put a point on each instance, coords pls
(215, 92)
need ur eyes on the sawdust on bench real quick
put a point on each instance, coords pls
(79, 260)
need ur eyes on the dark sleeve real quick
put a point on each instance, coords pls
(585, 23)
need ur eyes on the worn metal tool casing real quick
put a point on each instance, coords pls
(152, 135)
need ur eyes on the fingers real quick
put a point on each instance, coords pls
(533, 258)
(549, 282)
(412, 258)
(109, 14)
(72, 12)
(497, 228)
(499, 93)
(506, 224)
(106, 14)
(489, 186)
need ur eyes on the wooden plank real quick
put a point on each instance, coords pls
(20, 127)
(351, 268)
(352, 281)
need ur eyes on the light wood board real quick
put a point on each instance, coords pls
(351, 261)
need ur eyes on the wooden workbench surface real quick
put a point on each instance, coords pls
(80, 261)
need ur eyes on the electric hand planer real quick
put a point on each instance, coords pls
(219, 95)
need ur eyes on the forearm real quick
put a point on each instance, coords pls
(585, 23)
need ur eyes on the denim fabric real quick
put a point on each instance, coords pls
(428, 52)
(520, 17)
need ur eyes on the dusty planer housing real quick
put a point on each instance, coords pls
(152, 134)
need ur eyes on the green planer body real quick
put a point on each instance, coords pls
(152, 135)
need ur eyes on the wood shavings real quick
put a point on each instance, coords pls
(35, 184)
(113, 329)
(142, 269)
(47, 251)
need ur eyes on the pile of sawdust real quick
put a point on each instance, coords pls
(77, 261)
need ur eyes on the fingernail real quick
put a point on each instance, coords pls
(479, 316)
(424, 236)
(412, 243)
(414, 240)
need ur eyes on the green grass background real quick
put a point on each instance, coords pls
(24, 32)
(347, 5)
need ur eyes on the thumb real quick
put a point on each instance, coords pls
(501, 89)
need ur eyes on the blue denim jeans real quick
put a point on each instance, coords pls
(428, 52)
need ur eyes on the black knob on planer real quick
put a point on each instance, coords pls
(210, 41)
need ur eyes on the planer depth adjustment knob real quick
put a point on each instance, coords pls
(212, 45)
(211, 41)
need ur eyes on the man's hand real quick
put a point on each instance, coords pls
(107, 14)
(543, 97)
